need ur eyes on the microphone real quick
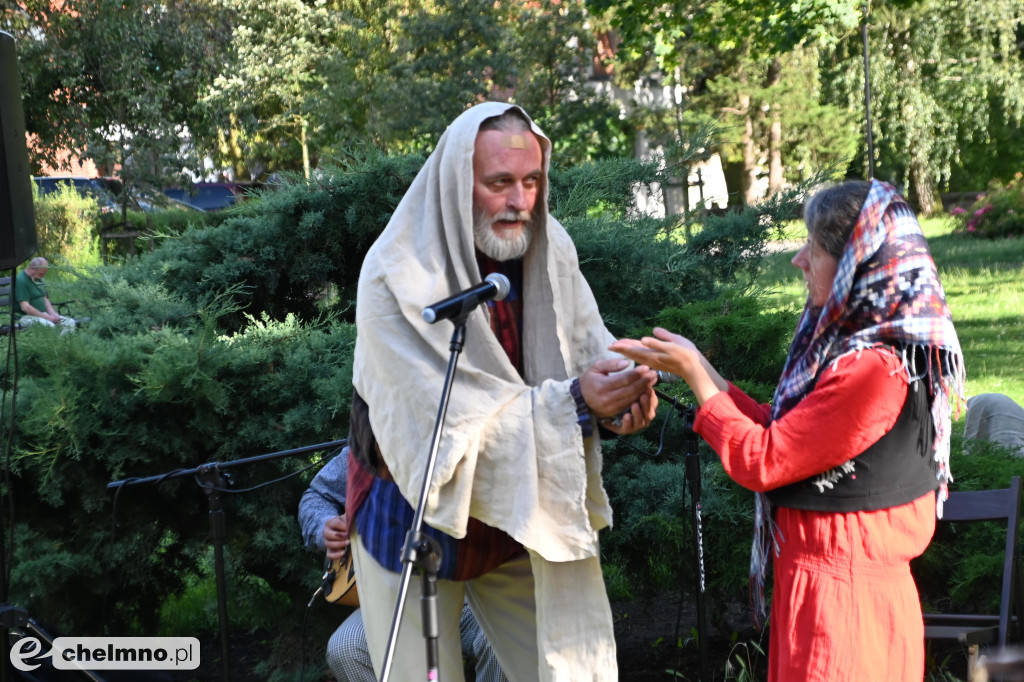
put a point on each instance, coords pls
(667, 378)
(687, 411)
(494, 287)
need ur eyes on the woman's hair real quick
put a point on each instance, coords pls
(831, 213)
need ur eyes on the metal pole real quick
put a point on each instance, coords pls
(214, 481)
(421, 550)
(693, 476)
(867, 91)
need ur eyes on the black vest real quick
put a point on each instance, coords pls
(898, 468)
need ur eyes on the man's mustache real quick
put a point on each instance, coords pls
(512, 216)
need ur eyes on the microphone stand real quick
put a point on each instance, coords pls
(692, 475)
(421, 551)
(213, 479)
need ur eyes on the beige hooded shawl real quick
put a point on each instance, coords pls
(511, 453)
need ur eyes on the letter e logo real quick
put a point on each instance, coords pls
(25, 648)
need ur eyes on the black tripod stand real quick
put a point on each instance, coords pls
(214, 479)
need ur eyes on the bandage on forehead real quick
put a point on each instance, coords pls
(516, 141)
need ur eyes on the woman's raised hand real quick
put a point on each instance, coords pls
(665, 352)
(675, 354)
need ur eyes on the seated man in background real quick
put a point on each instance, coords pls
(997, 418)
(324, 527)
(33, 303)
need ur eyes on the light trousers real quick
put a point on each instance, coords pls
(348, 656)
(502, 601)
(67, 324)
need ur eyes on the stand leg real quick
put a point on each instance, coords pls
(213, 479)
(693, 476)
(14, 617)
(38, 631)
(428, 604)
(217, 521)
(424, 553)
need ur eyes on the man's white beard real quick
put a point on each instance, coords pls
(487, 240)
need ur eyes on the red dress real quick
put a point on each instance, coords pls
(845, 606)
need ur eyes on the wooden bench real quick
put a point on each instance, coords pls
(5, 307)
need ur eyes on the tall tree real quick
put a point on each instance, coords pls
(450, 57)
(391, 72)
(551, 57)
(403, 69)
(116, 81)
(730, 59)
(269, 86)
(946, 76)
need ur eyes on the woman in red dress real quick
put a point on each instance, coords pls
(847, 458)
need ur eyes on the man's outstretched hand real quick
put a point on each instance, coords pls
(612, 389)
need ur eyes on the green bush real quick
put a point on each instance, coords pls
(652, 548)
(296, 250)
(65, 223)
(151, 228)
(251, 603)
(637, 264)
(739, 334)
(997, 213)
(94, 407)
(172, 221)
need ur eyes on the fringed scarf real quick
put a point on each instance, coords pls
(886, 291)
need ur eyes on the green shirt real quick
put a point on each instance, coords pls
(27, 289)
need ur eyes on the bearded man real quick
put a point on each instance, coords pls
(516, 499)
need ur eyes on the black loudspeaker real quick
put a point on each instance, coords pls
(18, 240)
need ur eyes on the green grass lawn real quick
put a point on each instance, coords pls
(984, 283)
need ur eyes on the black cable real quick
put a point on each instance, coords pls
(305, 614)
(117, 495)
(175, 472)
(677, 410)
(112, 542)
(661, 441)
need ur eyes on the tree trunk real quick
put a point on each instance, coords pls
(305, 149)
(774, 131)
(922, 193)
(749, 154)
(231, 148)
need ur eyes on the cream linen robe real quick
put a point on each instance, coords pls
(511, 454)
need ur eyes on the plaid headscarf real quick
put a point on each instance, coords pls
(886, 292)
